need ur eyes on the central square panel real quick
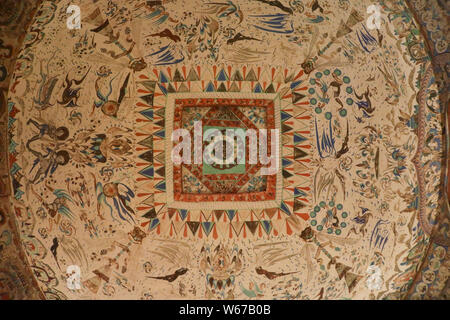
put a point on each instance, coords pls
(222, 186)
(234, 178)
(215, 170)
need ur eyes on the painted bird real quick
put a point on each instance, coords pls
(54, 249)
(278, 4)
(362, 220)
(365, 104)
(239, 37)
(271, 275)
(224, 9)
(172, 277)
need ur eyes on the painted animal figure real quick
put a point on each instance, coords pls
(272, 275)
(362, 220)
(172, 277)
(46, 87)
(110, 107)
(121, 196)
(70, 95)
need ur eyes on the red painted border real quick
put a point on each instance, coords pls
(268, 194)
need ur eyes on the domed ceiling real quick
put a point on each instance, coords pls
(95, 206)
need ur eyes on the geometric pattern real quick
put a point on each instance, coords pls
(215, 186)
(259, 98)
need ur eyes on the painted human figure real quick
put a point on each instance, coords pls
(58, 207)
(55, 133)
(48, 163)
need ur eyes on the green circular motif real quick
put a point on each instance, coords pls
(313, 101)
(312, 214)
(328, 115)
(318, 110)
(331, 203)
(343, 224)
(343, 113)
(337, 72)
(312, 81)
(322, 204)
(344, 214)
(316, 208)
(349, 89)
(326, 72)
(319, 75)
(339, 206)
(319, 227)
(311, 91)
(329, 230)
(349, 101)
(313, 222)
(338, 231)
(346, 79)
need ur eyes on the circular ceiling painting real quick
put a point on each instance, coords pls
(117, 115)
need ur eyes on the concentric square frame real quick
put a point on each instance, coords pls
(168, 217)
(215, 203)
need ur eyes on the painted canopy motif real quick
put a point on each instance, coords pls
(354, 209)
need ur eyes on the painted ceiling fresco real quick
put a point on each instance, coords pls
(355, 210)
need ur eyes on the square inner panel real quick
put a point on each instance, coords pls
(222, 182)
(220, 185)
